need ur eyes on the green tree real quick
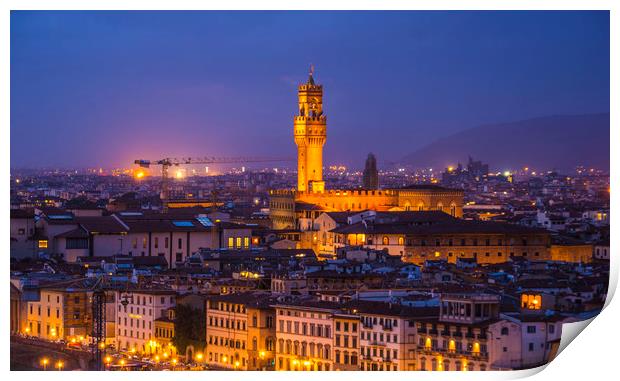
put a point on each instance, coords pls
(189, 328)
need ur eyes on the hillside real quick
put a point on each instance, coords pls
(560, 142)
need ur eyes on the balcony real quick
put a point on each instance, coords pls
(387, 327)
(426, 350)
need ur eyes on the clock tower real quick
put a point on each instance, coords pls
(310, 131)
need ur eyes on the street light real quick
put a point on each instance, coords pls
(174, 363)
(59, 365)
(108, 360)
(44, 361)
(199, 356)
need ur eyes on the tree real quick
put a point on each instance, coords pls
(189, 328)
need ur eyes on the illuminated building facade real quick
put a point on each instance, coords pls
(387, 339)
(486, 242)
(311, 198)
(136, 312)
(164, 333)
(59, 314)
(346, 341)
(305, 336)
(240, 332)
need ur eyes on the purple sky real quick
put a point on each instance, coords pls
(104, 88)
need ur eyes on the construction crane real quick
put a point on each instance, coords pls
(169, 162)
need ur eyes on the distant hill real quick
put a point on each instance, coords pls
(560, 142)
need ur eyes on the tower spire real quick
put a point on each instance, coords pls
(310, 75)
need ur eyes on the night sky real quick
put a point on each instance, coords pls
(104, 88)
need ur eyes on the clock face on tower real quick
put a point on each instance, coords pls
(313, 104)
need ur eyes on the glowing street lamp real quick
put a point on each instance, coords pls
(174, 363)
(199, 356)
(59, 365)
(45, 361)
(108, 361)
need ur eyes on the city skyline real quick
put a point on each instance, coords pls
(456, 248)
(149, 76)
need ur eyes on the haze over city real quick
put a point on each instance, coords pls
(105, 88)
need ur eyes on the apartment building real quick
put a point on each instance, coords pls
(61, 313)
(388, 335)
(305, 336)
(240, 331)
(136, 312)
(346, 341)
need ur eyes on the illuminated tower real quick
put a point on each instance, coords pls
(310, 134)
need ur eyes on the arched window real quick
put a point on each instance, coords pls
(386, 240)
(401, 241)
(505, 331)
(254, 343)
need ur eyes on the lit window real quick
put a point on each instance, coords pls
(231, 242)
(531, 302)
(42, 244)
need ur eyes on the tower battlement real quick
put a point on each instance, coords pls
(310, 87)
(320, 118)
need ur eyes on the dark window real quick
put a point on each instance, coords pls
(76, 243)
